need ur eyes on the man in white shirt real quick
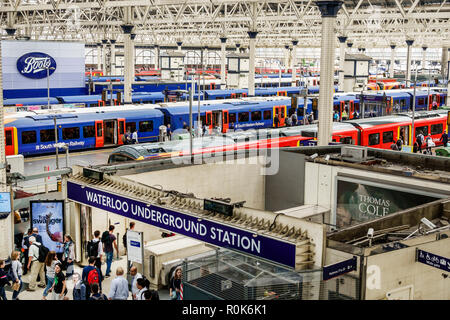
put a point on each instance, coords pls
(134, 137)
(37, 268)
(119, 287)
(135, 275)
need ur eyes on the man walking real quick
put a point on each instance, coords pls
(444, 139)
(119, 287)
(36, 267)
(109, 240)
(134, 137)
(95, 249)
(91, 274)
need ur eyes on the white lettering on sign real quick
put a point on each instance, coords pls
(373, 206)
(35, 64)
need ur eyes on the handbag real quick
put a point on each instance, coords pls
(16, 286)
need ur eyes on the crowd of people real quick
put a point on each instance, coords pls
(46, 269)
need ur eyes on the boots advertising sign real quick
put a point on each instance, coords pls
(34, 65)
(358, 202)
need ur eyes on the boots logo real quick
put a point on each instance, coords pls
(34, 65)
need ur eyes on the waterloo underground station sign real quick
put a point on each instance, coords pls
(218, 234)
(34, 65)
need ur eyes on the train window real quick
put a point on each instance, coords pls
(8, 138)
(29, 137)
(423, 130)
(243, 116)
(300, 112)
(256, 115)
(346, 140)
(47, 135)
(402, 102)
(130, 126)
(374, 139)
(232, 117)
(99, 130)
(146, 126)
(267, 115)
(421, 101)
(88, 131)
(388, 136)
(71, 133)
(436, 128)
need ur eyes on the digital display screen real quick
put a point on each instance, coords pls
(5, 202)
(93, 174)
(48, 218)
(218, 206)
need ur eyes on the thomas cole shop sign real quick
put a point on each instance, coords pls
(359, 202)
(201, 229)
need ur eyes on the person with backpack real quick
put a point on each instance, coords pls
(79, 288)
(119, 286)
(3, 280)
(90, 275)
(59, 286)
(420, 138)
(109, 240)
(37, 253)
(143, 285)
(16, 274)
(25, 248)
(50, 262)
(95, 249)
(68, 255)
(95, 294)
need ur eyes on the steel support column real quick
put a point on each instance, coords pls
(104, 48)
(251, 66)
(113, 57)
(179, 43)
(424, 58)
(409, 43)
(329, 10)
(294, 58)
(156, 57)
(342, 40)
(99, 56)
(223, 81)
(444, 65)
(286, 58)
(129, 62)
(391, 66)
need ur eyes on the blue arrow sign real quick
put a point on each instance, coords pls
(340, 268)
(433, 260)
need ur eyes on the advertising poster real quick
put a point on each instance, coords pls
(5, 202)
(134, 246)
(361, 202)
(48, 217)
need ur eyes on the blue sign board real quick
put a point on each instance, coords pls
(214, 233)
(5, 202)
(433, 260)
(340, 268)
(135, 244)
(34, 65)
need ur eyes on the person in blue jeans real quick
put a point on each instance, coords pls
(16, 267)
(108, 244)
(3, 280)
(50, 262)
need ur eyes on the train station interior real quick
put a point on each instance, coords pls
(224, 150)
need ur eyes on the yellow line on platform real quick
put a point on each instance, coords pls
(63, 155)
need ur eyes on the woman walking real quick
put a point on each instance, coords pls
(16, 267)
(143, 286)
(68, 255)
(59, 287)
(50, 262)
(175, 285)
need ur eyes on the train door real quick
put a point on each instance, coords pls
(216, 119)
(121, 130)
(279, 111)
(110, 135)
(404, 134)
(11, 141)
(208, 121)
(225, 121)
(99, 140)
(351, 107)
(341, 109)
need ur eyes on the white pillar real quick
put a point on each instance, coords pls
(237, 47)
(251, 64)
(409, 43)
(104, 43)
(99, 56)
(391, 66)
(133, 56)
(129, 62)
(294, 58)
(424, 58)
(113, 57)
(329, 11)
(342, 40)
(6, 225)
(223, 81)
(444, 64)
(286, 58)
(156, 57)
(179, 43)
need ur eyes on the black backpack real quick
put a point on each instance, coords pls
(43, 251)
(92, 248)
(106, 239)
